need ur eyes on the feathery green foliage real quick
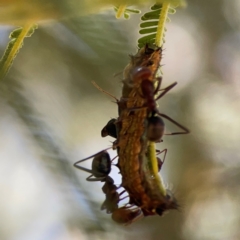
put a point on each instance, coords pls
(123, 10)
(153, 26)
(16, 42)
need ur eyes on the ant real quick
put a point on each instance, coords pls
(112, 196)
(101, 167)
(110, 129)
(127, 215)
(159, 161)
(156, 125)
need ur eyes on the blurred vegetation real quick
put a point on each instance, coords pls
(51, 116)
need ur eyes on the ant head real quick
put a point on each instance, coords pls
(140, 73)
(110, 129)
(155, 129)
(101, 164)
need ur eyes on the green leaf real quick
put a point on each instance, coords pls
(123, 10)
(132, 10)
(151, 15)
(16, 42)
(160, 12)
(148, 24)
(148, 30)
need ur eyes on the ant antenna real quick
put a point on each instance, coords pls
(105, 92)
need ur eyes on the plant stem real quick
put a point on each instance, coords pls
(14, 50)
(161, 24)
(121, 10)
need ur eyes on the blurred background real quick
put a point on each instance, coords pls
(51, 116)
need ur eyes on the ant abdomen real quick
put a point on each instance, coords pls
(155, 129)
(126, 215)
(101, 164)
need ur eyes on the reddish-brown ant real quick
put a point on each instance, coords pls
(126, 215)
(155, 124)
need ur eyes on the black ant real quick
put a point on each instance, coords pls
(112, 196)
(101, 167)
(110, 129)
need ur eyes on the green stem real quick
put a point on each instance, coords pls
(13, 52)
(161, 24)
(151, 154)
(121, 10)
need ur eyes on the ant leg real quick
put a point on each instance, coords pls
(159, 161)
(186, 131)
(85, 169)
(122, 192)
(114, 158)
(166, 90)
(123, 198)
(105, 92)
(159, 79)
(165, 153)
(82, 168)
(90, 179)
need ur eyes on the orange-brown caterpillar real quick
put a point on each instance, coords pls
(137, 159)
